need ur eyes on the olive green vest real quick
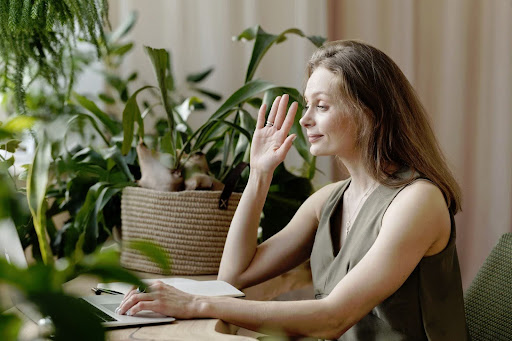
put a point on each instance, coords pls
(428, 306)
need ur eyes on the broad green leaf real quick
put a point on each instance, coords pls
(112, 126)
(263, 42)
(198, 77)
(160, 59)
(248, 90)
(37, 183)
(131, 114)
(153, 251)
(18, 124)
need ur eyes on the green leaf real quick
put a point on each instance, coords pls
(110, 124)
(247, 91)
(255, 102)
(248, 34)
(10, 326)
(198, 77)
(160, 59)
(37, 182)
(114, 154)
(91, 120)
(5, 164)
(123, 49)
(153, 251)
(213, 95)
(81, 324)
(131, 114)
(106, 98)
(18, 124)
(263, 42)
(10, 146)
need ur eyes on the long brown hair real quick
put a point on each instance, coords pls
(393, 128)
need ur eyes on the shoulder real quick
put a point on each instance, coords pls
(318, 199)
(420, 209)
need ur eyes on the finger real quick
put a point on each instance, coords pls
(142, 305)
(133, 300)
(281, 111)
(273, 110)
(290, 117)
(287, 144)
(260, 123)
(129, 294)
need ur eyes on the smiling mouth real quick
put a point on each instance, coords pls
(314, 138)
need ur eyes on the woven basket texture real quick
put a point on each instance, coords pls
(188, 225)
(488, 301)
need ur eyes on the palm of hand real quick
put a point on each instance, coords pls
(270, 144)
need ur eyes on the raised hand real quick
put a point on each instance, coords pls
(270, 142)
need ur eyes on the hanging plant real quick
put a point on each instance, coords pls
(37, 38)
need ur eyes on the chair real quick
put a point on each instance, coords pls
(488, 300)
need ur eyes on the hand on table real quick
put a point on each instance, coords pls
(271, 143)
(160, 298)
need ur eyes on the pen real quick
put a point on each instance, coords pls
(99, 291)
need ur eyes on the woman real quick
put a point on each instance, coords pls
(381, 244)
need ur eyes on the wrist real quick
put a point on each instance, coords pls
(201, 306)
(260, 178)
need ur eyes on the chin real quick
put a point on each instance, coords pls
(317, 152)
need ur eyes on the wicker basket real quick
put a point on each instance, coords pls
(189, 225)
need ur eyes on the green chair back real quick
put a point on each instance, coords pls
(488, 301)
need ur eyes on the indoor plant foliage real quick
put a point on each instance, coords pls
(41, 33)
(223, 141)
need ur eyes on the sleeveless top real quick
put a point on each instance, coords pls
(428, 306)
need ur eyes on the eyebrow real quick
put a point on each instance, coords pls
(317, 93)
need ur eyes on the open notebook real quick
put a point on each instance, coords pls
(203, 288)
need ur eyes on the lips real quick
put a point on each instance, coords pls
(314, 137)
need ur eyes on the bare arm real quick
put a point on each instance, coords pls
(268, 149)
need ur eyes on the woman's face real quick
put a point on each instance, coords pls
(331, 130)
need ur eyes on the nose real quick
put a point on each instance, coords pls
(306, 120)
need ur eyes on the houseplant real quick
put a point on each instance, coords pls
(222, 142)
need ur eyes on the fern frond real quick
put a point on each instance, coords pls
(40, 33)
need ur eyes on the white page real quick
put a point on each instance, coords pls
(204, 288)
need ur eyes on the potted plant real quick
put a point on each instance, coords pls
(201, 159)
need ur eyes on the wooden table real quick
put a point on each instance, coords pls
(198, 329)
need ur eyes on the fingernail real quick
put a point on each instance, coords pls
(293, 139)
(129, 313)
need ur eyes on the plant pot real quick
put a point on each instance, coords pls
(188, 225)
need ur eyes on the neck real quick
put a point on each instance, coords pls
(361, 180)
